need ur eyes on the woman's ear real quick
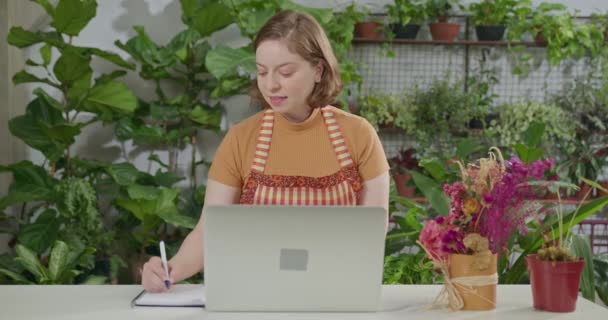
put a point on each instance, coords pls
(318, 72)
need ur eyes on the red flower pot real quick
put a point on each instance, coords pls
(540, 40)
(555, 285)
(401, 181)
(444, 31)
(367, 30)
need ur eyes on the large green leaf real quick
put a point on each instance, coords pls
(30, 262)
(58, 261)
(124, 174)
(212, 17)
(71, 16)
(39, 235)
(167, 209)
(433, 192)
(26, 77)
(22, 38)
(223, 61)
(18, 278)
(30, 183)
(582, 248)
(48, 100)
(72, 66)
(137, 191)
(182, 41)
(115, 95)
(109, 56)
(143, 49)
(205, 115)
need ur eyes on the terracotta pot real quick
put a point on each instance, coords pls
(367, 30)
(540, 40)
(402, 189)
(480, 297)
(555, 285)
(444, 31)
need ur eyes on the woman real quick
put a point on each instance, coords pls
(298, 151)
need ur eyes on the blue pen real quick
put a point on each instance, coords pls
(163, 258)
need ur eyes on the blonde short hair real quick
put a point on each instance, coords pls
(305, 37)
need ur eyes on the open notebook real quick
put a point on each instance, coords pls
(178, 296)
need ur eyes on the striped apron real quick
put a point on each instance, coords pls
(339, 189)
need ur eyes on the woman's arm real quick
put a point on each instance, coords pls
(189, 258)
(376, 193)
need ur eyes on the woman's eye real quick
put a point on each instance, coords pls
(286, 74)
(260, 73)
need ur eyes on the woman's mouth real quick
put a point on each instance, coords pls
(276, 100)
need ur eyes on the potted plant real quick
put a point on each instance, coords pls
(369, 27)
(487, 207)
(401, 164)
(601, 20)
(555, 272)
(443, 111)
(515, 119)
(553, 26)
(441, 29)
(406, 16)
(490, 17)
(388, 111)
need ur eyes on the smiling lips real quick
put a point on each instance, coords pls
(277, 100)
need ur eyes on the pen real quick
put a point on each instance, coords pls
(163, 258)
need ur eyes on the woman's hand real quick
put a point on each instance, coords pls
(153, 275)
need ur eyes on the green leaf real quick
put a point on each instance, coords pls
(434, 167)
(212, 17)
(58, 262)
(467, 147)
(527, 154)
(105, 78)
(30, 262)
(582, 248)
(166, 179)
(39, 235)
(222, 61)
(48, 100)
(229, 87)
(46, 54)
(22, 38)
(432, 191)
(115, 95)
(137, 191)
(71, 66)
(71, 16)
(124, 174)
(25, 77)
(205, 115)
(108, 56)
(143, 49)
(30, 183)
(534, 134)
(167, 210)
(95, 280)
(15, 276)
(323, 16)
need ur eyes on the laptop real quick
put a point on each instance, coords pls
(283, 258)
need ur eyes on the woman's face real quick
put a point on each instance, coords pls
(285, 79)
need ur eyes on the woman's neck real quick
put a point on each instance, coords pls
(299, 116)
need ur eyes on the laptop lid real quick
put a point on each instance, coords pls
(278, 258)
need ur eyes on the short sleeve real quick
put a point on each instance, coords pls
(225, 167)
(370, 156)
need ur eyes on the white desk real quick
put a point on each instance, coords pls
(398, 302)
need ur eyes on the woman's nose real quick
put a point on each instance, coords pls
(273, 83)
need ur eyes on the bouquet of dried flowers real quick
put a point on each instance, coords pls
(487, 206)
